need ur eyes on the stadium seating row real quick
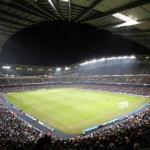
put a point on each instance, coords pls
(133, 133)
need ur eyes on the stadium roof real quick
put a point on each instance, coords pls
(16, 15)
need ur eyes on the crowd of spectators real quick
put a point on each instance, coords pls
(8, 81)
(13, 130)
(137, 90)
(128, 79)
(134, 89)
(125, 79)
(133, 84)
(131, 134)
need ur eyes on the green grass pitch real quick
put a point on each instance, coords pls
(73, 110)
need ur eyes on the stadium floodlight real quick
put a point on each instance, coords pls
(51, 2)
(82, 64)
(121, 57)
(102, 59)
(93, 61)
(64, 0)
(29, 69)
(107, 59)
(128, 21)
(67, 68)
(6, 67)
(58, 69)
(122, 17)
(132, 57)
(111, 58)
(18, 68)
(125, 57)
(88, 62)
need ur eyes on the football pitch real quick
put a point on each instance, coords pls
(72, 110)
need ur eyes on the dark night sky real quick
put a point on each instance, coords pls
(63, 44)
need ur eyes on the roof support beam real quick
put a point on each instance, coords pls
(43, 10)
(16, 16)
(20, 7)
(12, 22)
(70, 10)
(29, 8)
(89, 9)
(136, 33)
(6, 30)
(140, 38)
(56, 8)
(2, 39)
(6, 34)
(116, 10)
(112, 25)
(3, 36)
(147, 20)
(141, 33)
(9, 26)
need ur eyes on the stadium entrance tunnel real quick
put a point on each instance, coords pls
(62, 43)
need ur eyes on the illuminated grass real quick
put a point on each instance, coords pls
(73, 110)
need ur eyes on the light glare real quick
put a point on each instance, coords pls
(58, 69)
(67, 68)
(50, 1)
(104, 59)
(122, 17)
(132, 57)
(64, 0)
(128, 21)
(6, 67)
